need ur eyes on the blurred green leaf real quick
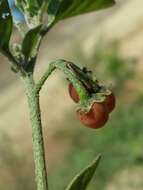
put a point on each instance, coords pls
(30, 5)
(5, 24)
(22, 4)
(31, 42)
(81, 181)
(33, 11)
(62, 9)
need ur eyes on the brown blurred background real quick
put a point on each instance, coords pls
(110, 42)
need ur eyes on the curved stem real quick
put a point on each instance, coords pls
(66, 68)
(45, 76)
(37, 134)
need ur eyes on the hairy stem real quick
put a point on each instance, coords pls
(67, 69)
(37, 134)
(45, 77)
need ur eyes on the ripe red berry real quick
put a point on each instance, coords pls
(110, 102)
(73, 93)
(95, 118)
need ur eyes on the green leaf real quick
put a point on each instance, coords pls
(20, 4)
(24, 4)
(62, 9)
(31, 43)
(31, 5)
(5, 24)
(81, 181)
(33, 11)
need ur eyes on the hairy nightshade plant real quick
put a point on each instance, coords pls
(22, 57)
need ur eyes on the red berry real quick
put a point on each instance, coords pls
(110, 102)
(73, 93)
(95, 118)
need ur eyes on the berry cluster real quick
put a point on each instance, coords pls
(98, 114)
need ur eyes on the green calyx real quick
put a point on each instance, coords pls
(98, 97)
(88, 87)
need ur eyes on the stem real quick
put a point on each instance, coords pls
(37, 134)
(45, 76)
(65, 67)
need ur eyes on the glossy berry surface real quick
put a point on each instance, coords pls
(95, 118)
(110, 102)
(73, 93)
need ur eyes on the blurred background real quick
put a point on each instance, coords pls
(110, 42)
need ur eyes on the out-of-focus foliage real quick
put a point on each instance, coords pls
(112, 66)
(16, 169)
(109, 65)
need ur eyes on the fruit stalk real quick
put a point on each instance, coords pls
(37, 134)
(66, 68)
